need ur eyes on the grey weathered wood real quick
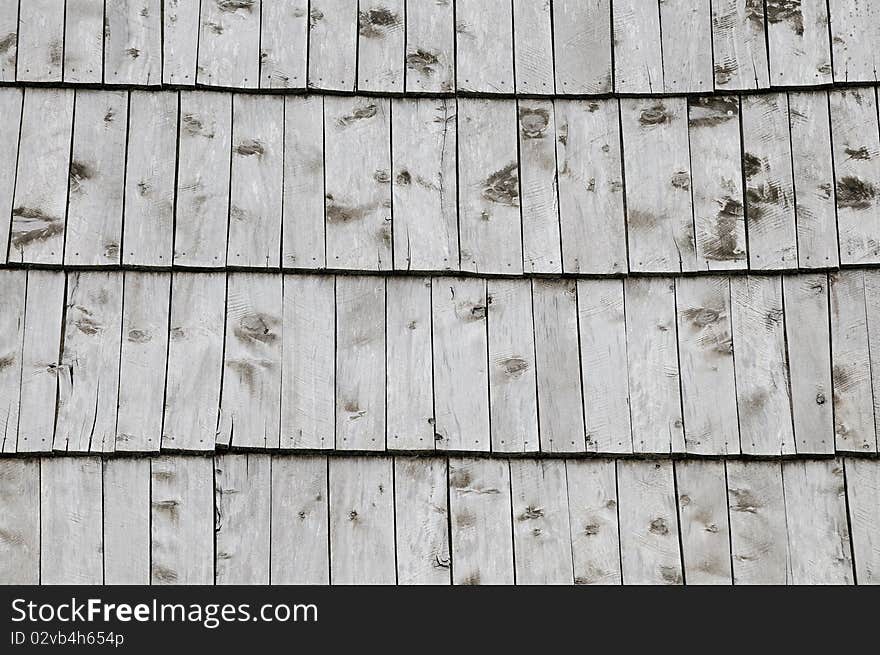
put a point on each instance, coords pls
(659, 206)
(302, 230)
(490, 229)
(133, 42)
(715, 146)
(362, 520)
(557, 359)
(739, 45)
(300, 529)
(484, 46)
(863, 499)
(409, 384)
(97, 179)
(40, 41)
(809, 359)
(686, 36)
(533, 47)
(284, 38)
(705, 530)
(430, 47)
(13, 291)
(816, 518)
(761, 363)
(652, 347)
(758, 536)
(251, 391)
(425, 184)
(182, 520)
(126, 521)
(513, 399)
(10, 107)
(203, 167)
(381, 37)
(797, 35)
(180, 41)
(770, 218)
(333, 26)
(8, 40)
(150, 177)
(855, 27)
(856, 146)
(706, 349)
(592, 509)
(357, 177)
(257, 181)
(582, 46)
(480, 518)
(88, 390)
(638, 61)
(649, 539)
(872, 314)
(83, 41)
(229, 43)
(461, 378)
(421, 516)
(360, 363)
(591, 210)
(143, 357)
(20, 521)
(813, 179)
(39, 208)
(540, 203)
(308, 371)
(242, 497)
(195, 361)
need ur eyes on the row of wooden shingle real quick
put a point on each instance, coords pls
(287, 519)
(484, 46)
(210, 179)
(709, 365)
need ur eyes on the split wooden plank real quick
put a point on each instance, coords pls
(590, 178)
(8, 41)
(333, 28)
(10, 107)
(541, 531)
(705, 346)
(133, 42)
(257, 184)
(71, 521)
(659, 207)
(758, 535)
(488, 173)
(533, 47)
(513, 400)
(855, 28)
(357, 164)
(638, 60)
(409, 383)
(251, 389)
(686, 40)
(360, 363)
(484, 46)
(854, 428)
(150, 174)
(430, 47)
(180, 41)
(97, 179)
(797, 36)
(816, 518)
(229, 43)
(425, 186)
(382, 34)
(770, 207)
(362, 520)
(814, 195)
(715, 146)
(557, 361)
(308, 405)
(13, 292)
(592, 508)
(144, 354)
(461, 379)
(40, 41)
(302, 230)
(20, 521)
(761, 363)
(421, 516)
(582, 46)
(195, 361)
(182, 520)
(84, 41)
(284, 40)
(703, 516)
(300, 550)
(540, 203)
(863, 499)
(649, 540)
(243, 492)
(88, 390)
(203, 166)
(739, 45)
(126, 521)
(856, 145)
(39, 208)
(652, 345)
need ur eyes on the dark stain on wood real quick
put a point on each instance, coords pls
(723, 243)
(56, 53)
(752, 165)
(86, 324)
(745, 501)
(404, 178)
(671, 575)
(373, 23)
(640, 219)
(339, 213)
(216, 28)
(80, 172)
(256, 327)
(514, 366)
(6, 361)
(502, 186)
(460, 479)
(755, 13)
(657, 114)
(31, 224)
(315, 15)
(533, 122)
(423, 61)
(168, 507)
(163, 574)
(724, 72)
(249, 148)
(360, 113)
(708, 112)
(681, 180)
(229, 6)
(761, 195)
(841, 378)
(786, 11)
(193, 126)
(592, 529)
(8, 42)
(855, 193)
(134, 53)
(702, 317)
(139, 336)
(465, 519)
(857, 153)
(531, 513)
(658, 526)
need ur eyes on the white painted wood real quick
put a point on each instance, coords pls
(284, 39)
(10, 108)
(739, 45)
(797, 35)
(229, 43)
(702, 513)
(582, 46)
(20, 521)
(333, 26)
(592, 509)
(133, 42)
(533, 47)
(686, 39)
(484, 46)
(126, 526)
(180, 41)
(83, 41)
(863, 499)
(8, 40)
(40, 40)
(638, 60)
(855, 27)
(13, 291)
(430, 47)
(381, 38)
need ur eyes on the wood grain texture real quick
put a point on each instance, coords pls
(430, 47)
(9, 44)
(180, 41)
(484, 46)
(40, 41)
(333, 33)
(638, 52)
(229, 43)
(863, 499)
(798, 39)
(20, 521)
(582, 46)
(83, 41)
(284, 38)
(703, 516)
(11, 101)
(381, 38)
(533, 47)
(592, 510)
(126, 528)
(13, 294)
(133, 42)
(686, 31)
(739, 45)
(855, 25)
